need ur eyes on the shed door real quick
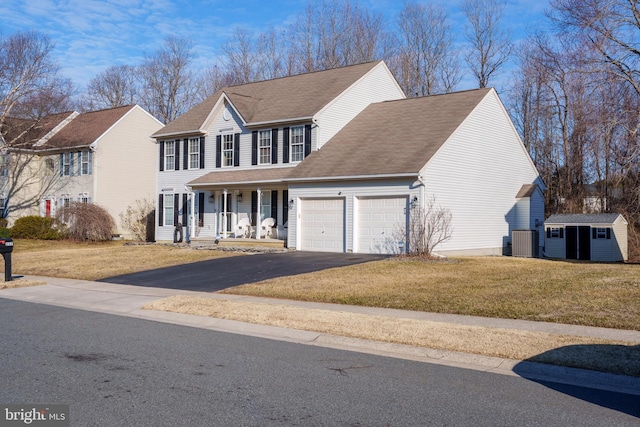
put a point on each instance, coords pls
(382, 222)
(322, 223)
(578, 241)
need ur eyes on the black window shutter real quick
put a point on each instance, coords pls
(161, 155)
(160, 210)
(274, 146)
(201, 206)
(61, 164)
(254, 147)
(285, 206)
(185, 156)
(79, 162)
(285, 145)
(218, 151)
(202, 152)
(594, 233)
(176, 200)
(185, 208)
(548, 233)
(562, 232)
(176, 144)
(236, 149)
(71, 156)
(254, 209)
(307, 140)
(274, 206)
(608, 233)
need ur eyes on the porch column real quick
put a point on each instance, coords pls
(224, 213)
(258, 220)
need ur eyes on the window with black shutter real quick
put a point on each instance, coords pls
(218, 151)
(254, 147)
(285, 145)
(285, 206)
(307, 140)
(161, 144)
(274, 206)
(236, 150)
(274, 146)
(202, 152)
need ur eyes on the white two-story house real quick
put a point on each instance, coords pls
(337, 160)
(104, 157)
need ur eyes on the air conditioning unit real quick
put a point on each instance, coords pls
(525, 243)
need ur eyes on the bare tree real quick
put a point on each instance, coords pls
(490, 46)
(30, 91)
(242, 61)
(114, 87)
(425, 63)
(429, 226)
(167, 82)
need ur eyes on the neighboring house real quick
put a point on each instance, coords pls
(103, 157)
(342, 158)
(594, 237)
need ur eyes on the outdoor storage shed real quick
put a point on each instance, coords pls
(594, 237)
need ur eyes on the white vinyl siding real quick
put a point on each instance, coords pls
(482, 161)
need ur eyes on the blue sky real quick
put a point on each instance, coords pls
(91, 35)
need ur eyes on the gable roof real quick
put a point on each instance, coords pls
(285, 98)
(24, 133)
(391, 138)
(85, 129)
(604, 218)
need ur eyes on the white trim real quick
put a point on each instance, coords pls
(280, 121)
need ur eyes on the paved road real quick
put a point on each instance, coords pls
(120, 371)
(217, 274)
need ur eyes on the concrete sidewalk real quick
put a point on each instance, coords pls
(127, 300)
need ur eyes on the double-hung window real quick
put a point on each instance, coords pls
(168, 209)
(85, 158)
(227, 149)
(555, 232)
(67, 164)
(194, 153)
(169, 156)
(601, 233)
(265, 205)
(296, 139)
(264, 147)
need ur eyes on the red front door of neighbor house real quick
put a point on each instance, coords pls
(47, 208)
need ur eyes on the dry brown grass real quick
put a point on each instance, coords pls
(20, 283)
(96, 261)
(603, 355)
(606, 295)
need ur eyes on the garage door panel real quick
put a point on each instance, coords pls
(379, 220)
(323, 225)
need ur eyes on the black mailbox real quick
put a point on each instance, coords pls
(6, 248)
(6, 245)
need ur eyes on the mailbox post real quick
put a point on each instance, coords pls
(6, 248)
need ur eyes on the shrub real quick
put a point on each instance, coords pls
(87, 222)
(5, 232)
(139, 220)
(36, 227)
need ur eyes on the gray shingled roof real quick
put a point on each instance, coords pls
(275, 100)
(604, 218)
(392, 137)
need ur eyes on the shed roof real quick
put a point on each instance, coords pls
(391, 137)
(281, 99)
(604, 218)
(243, 176)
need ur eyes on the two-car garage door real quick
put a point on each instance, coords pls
(379, 221)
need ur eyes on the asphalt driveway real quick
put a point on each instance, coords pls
(217, 274)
